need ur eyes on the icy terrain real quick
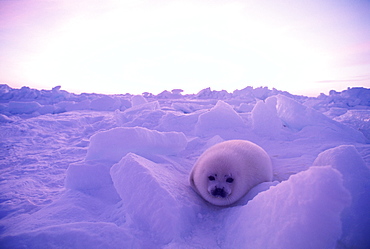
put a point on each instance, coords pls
(98, 171)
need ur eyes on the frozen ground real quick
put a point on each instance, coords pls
(97, 171)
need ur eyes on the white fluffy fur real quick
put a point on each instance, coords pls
(243, 161)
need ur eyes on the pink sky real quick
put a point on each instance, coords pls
(136, 46)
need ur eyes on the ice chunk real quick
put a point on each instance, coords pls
(261, 92)
(173, 121)
(105, 103)
(138, 100)
(45, 109)
(264, 118)
(297, 117)
(92, 178)
(125, 104)
(67, 106)
(150, 106)
(153, 198)
(245, 107)
(246, 94)
(302, 212)
(16, 107)
(177, 91)
(207, 93)
(357, 119)
(4, 88)
(113, 144)
(174, 94)
(350, 97)
(165, 95)
(221, 120)
(356, 176)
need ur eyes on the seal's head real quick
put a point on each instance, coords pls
(218, 183)
(224, 173)
(220, 186)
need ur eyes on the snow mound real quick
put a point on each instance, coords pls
(356, 176)
(302, 212)
(113, 144)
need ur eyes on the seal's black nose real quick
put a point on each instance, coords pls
(219, 192)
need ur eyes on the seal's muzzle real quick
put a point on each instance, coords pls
(219, 192)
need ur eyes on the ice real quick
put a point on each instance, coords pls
(5, 119)
(299, 117)
(138, 100)
(113, 144)
(105, 103)
(207, 93)
(67, 106)
(111, 171)
(356, 119)
(245, 107)
(222, 119)
(265, 119)
(74, 235)
(23, 107)
(350, 97)
(356, 176)
(302, 212)
(92, 178)
(150, 106)
(174, 94)
(182, 107)
(153, 199)
(174, 121)
(146, 115)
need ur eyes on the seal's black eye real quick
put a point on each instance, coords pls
(229, 180)
(211, 178)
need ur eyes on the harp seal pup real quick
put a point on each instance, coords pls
(224, 173)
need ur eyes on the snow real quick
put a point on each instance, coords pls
(265, 120)
(115, 143)
(162, 210)
(221, 119)
(105, 103)
(303, 212)
(138, 100)
(23, 107)
(356, 175)
(99, 171)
